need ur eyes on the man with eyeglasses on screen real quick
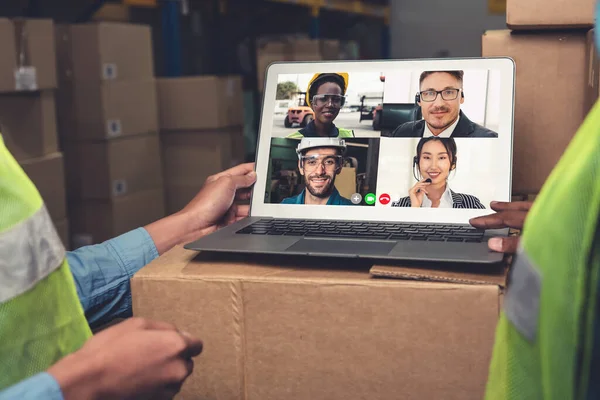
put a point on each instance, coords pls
(320, 160)
(440, 96)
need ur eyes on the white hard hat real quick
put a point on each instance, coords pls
(313, 142)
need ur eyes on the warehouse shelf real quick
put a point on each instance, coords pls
(359, 7)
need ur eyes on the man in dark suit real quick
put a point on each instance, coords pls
(440, 96)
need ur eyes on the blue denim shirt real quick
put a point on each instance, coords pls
(102, 273)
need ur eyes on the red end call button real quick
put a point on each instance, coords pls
(384, 199)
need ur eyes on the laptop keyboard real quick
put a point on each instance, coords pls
(365, 230)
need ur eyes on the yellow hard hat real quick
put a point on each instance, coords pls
(343, 75)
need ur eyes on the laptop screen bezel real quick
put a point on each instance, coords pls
(258, 207)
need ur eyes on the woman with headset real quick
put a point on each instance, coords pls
(435, 159)
(326, 96)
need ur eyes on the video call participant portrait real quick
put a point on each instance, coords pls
(325, 95)
(320, 160)
(440, 96)
(435, 159)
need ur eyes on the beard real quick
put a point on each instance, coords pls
(446, 120)
(322, 191)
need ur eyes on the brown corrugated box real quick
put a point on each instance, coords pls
(62, 228)
(312, 328)
(104, 51)
(48, 175)
(297, 49)
(113, 168)
(33, 39)
(178, 195)
(200, 102)
(107, 110)
(593, 72)
(28, 124)
(550, 102)
(189, 157)
(194, 155)
(330, 49)
(553, 14)
(94, 221)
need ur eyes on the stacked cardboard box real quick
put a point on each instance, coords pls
(201, 122)
(293, 49)
(108, 128)
(547, 40)
(27, 110)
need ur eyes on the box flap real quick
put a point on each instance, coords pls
(474, 275)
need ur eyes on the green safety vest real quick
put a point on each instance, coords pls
(545, 333)
(41, 317)
(343, 133)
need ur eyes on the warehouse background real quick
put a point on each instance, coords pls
(138, 101)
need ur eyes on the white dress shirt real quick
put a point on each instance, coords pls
(445, 201)
(446, 133)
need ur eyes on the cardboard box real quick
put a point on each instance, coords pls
(27, 43)
(293, 49)
(28, 124)
(593, 72)
(191, 157)
(330, 49)
(550, 106)
(313, 328)
(94, 221)
(553, 14)
(104, 51)
(48, 175)
(62, 228)
(345, 182)
(200, 102)
(178, 195)
(89, 111)
(113, 168)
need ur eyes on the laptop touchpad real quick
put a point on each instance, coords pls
(341, 246)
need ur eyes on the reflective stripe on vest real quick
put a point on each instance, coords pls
(41, 317)
(544, 334)
(35, 251)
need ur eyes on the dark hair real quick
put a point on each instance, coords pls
(325, 78)
(458, 75)
(448, 143)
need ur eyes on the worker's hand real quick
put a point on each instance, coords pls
(508, 215)
(215, 205)
(212, 208)
(136, 359)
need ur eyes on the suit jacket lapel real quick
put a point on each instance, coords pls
(457, 200)
(464, 127)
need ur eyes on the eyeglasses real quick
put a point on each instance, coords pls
(323, 99)
(447, 94)
(329, 162)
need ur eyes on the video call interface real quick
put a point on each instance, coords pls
(386, 139)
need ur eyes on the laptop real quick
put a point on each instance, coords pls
(329, 184)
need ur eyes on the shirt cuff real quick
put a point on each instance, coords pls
(40, 386)
(136, 249)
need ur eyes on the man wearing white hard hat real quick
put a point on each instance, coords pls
(320, 160)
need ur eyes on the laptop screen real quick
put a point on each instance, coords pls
(414, 140)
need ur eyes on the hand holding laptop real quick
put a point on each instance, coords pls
(215, 205)
(508, 215)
